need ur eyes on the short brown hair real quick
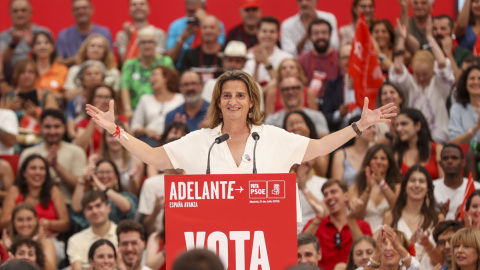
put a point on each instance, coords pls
(331, 182)
(127, 225)
(20, 68)
(171, 76)
(93, 196)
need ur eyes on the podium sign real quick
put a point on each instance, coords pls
(249, 220)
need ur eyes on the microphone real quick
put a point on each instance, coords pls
(218, 140)
(256, 137)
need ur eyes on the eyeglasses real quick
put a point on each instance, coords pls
(442, 242)
(145, 42)
(338, 241)
(294, 88)
(104, 172)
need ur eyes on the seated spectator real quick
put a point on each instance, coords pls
(294, 29)
(131, 244)
(71, 38)
(28, 103)
(466, 249)
(442, 235)
(308, 249)
(472, 207)
(26, 225)
(104, 176)
(337, 231)
(148, 119)
(321, 63)
(90, 75)
(347, 32)
(265, 57)
(299, 123)
(193, 259)
(34, 185)
(96, 209)
(384, 40)
(413, 144)
(347, 162)
(183, 33)
(415, 214)
(6, 179)
(194, 109)
(361, 251)
(102, 255)
(377, 184)
(95, 48)
(52, 75)
(30, 250)
(89, 135)
(204, 59)
(463, 126)
(136, 71)
(126, 39)
(131, 169)
(16, 41)
(287, 68)
(429, 87)
(392, 252)
(246, 32)
(292, 97)
(449, 191)
(466, 28)
(389, 93)
(8, 130)
(64, 159)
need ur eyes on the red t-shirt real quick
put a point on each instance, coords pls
(431, 166)
(46, 213)
(326, 235)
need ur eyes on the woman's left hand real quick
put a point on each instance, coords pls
(97, 184)
(380, 115)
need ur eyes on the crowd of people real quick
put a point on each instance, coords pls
(393, 197)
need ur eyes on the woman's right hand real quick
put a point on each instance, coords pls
(105, 120)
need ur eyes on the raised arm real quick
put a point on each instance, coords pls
(436, 50)
(155, 156)
(327, 144)
(462, 20)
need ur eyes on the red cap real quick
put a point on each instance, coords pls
(251, 4)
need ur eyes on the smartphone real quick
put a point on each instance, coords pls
(30, 95)
(192, 21)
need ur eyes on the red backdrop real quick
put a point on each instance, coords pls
(56, 14)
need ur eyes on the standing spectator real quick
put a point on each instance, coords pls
(183, 33)
(251, 13)
(265, 57)
(148, 120)
(131, 244)
(52, 75)
(136, 71)
(8, 130)
(442, 235)
(204, 59)
(466, 29)
(17, 40)
(70, 38)
(94, 48)
(442, 32)
(337, 231)
(65, 159)
(194, 109)
(126, 39)
(367, 7)
(449, 191)
(429, 87)
(321, 63)
(295, 39)
(418, 23)
(308, 249)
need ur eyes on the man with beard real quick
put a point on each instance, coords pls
(449, 191)
(246, 32)
(131, 244)
(194, 110)
(66, 160)
(442, 29)
(204, 59)
(442, 235)
(321, 63)
(127, 48)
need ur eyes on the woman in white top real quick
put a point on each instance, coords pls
(235, 110)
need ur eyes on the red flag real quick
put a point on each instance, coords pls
(476, 47)
(468, 191)
(363, 65)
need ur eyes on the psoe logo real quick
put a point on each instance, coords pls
(276, 189)
(257, 189)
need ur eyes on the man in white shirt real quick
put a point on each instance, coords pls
(294, 29)
(449, 191)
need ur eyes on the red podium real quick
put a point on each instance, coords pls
(249, 220)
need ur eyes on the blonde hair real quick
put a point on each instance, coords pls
(468, 237)
(107, 59)
(423, 56)
(301, 73)
(214, 114)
